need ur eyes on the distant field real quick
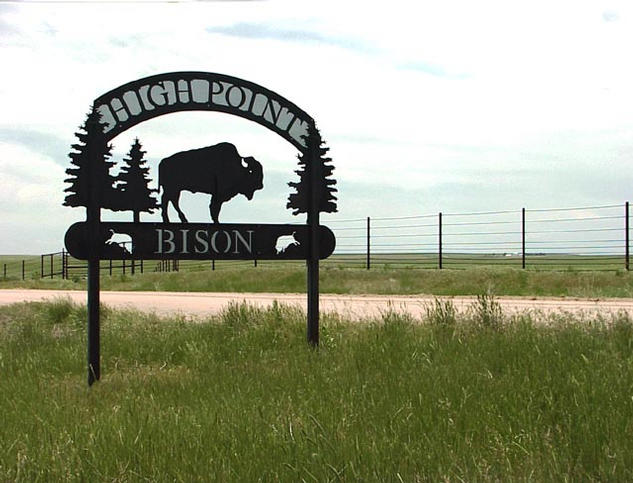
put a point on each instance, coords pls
(241, 397)
(11, 266)
(33, 266)
(269, 277)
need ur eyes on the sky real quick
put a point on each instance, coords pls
(453, 106)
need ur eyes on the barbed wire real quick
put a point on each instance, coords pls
(479, 213)
(598, 207)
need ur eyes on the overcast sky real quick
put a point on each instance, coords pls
(427, 106)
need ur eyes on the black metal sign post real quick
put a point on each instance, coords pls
(218, 170)
(93, 219)
(94, 329)
(313, 260)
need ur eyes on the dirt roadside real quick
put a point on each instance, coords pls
(352, 306)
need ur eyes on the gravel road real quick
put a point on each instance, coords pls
(352, 306)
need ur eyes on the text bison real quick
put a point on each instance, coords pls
(217, 170)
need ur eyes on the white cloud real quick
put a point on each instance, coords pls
(31, 200)
(506, 102)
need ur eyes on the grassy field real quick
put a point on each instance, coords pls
(241, 397)
(289, 278)
(12, 265)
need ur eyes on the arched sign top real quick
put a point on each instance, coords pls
(144, 99)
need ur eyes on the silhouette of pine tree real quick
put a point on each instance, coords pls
(133, 182)
(315, 149)
(90, 178)
(298, 201)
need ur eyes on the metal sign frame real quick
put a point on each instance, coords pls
(130, 104)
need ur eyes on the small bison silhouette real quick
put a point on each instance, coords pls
(122, 240)
(286, 241)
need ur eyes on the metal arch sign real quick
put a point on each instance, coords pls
(146, 98)
(218, 170)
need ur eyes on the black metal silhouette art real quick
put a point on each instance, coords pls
(216, 170)
(286, 242)
(90, 180)
(116, 245)
(147, 98)
(132, 184)
(198, 241)
(299, 201)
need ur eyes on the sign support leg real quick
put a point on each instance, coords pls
(313, 257)
(93, 220)
(94, 356)
(313, 302)
(313, 280)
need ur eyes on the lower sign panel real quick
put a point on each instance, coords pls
(196, 241)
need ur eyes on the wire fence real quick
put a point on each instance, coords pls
(579, 238)
(593, 237)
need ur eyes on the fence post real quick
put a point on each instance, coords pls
(141, 265)
(110, 267)
(368, 244)
(212, 264)
(41, 266)
(132, 268)
(626, 234)
(63, 265)
(52, 266)
(439, 252)
(522, 237)
(255, 262)
(4, 270)
(22, 269)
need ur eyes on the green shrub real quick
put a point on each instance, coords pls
(441, 313)
(486, 312)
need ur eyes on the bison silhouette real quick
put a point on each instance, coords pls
(216, 170)
(286, 241)
(120, 240)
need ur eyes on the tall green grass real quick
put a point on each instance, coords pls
(241, 397)
(500, 281)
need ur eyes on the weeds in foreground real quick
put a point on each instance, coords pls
(241, 397)
(59, 310)
(441, 313)
(486, 312)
